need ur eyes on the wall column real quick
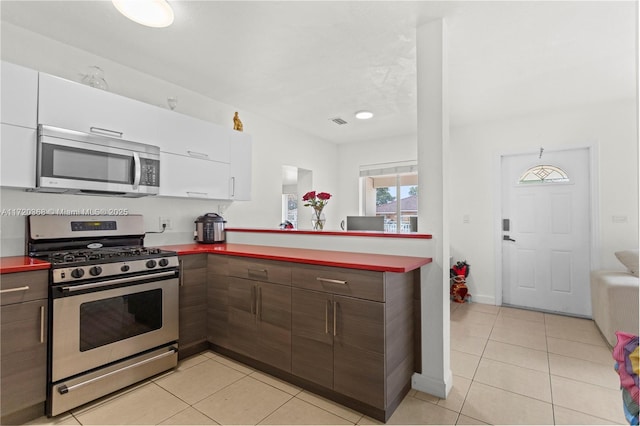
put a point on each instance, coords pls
(433, 149)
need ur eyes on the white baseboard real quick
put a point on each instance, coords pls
(431, 385)
(487, 300)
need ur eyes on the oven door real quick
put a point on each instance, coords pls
(92, 326)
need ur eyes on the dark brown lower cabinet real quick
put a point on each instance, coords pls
(193, 304)
(23, 345)
(338, 342)
(259, 316)
(345, 334)
(353, 333)
(218, 300)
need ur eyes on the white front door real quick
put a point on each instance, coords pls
(546, 249)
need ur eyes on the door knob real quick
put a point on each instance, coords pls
(508, 238)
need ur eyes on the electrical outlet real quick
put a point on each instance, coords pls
(166, 222)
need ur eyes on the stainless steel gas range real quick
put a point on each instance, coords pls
(113, 305)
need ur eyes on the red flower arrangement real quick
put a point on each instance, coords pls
(317, 201)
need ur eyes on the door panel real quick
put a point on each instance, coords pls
(274, 325)
(242, 319)
(358, 323)
(312, 337)
(547, 266)
(358, 350)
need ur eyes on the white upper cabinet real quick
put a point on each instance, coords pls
(19, 90)
(199, 159)
(189, 177)
(240, 172)
(185, 135)
(69, 105)
(19, 96)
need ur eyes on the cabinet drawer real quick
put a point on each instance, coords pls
(347, 282)
(23, 286)
(260, 270)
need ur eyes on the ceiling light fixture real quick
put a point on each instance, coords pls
(151, 13)
(364, 115)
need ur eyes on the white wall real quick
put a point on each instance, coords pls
(610, 127)
(274, 144)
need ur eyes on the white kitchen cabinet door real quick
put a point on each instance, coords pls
(185, 135)
(19, 95)
(240, 173)
(70, 105)
(189, 177)
(17, 156)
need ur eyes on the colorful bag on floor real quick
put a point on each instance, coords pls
(626, 355)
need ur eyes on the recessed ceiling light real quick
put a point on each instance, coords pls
(364, 115)
(151, 13)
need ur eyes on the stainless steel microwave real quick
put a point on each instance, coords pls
(81, 163)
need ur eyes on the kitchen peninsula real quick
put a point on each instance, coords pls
(342, 324)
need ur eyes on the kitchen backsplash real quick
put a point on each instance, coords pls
(16, 204)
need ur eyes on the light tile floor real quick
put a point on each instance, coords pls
(510, 366)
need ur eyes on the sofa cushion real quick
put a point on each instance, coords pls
(629, 258)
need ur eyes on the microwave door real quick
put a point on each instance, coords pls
(83, 166)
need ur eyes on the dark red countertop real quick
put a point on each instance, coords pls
(334, 233)
(340, 259)
(12, 264)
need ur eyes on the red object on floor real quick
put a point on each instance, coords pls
(459, 290)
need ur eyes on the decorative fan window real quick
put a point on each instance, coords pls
(544, 174)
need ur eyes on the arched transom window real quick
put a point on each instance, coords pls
(544, 174)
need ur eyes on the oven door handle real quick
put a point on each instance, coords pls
(73, 288)
(62, 389)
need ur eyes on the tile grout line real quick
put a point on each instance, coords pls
(478, 366)
(546, 342)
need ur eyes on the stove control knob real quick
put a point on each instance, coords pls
(163, 262)
(151, 263)
(95, 270)
(125, 268)
(77, 273)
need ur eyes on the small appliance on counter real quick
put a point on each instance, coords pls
(210, 229)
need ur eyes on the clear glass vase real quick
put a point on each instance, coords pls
(318, 220)
(95, 78)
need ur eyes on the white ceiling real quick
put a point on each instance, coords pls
(305, 62)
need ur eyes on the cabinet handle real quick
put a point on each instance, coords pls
(233, 186)
(196, 193)
(105, 132)
(137, 170)
(11, 290)
(253, 299)
(181, 271)
(42, 324)
(261, 273)
(197, 154)
(330, 281)
(335, 310)
(326, 317)
(259, 304)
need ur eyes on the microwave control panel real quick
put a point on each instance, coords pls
(149, 172)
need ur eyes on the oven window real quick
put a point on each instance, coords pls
(110, 320)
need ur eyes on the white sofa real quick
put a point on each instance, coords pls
(614, 298)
